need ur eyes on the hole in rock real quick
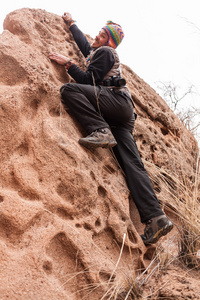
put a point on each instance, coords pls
(98, 222)
(64, 214)
(105, 276)
(153, 148)
(35, 104)
(164, 130)
(47, 266)
(67, 264)
(168, 145)
(55, 112)
(150, 129)
(87, 226)
(70, 53)
(22, 150)
(102, 191)
(92, 175)
(67, 192)
(78, 225)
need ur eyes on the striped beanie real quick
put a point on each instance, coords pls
(115, 34)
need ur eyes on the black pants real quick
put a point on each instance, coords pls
(99, 107)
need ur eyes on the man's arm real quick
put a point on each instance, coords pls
(102, 61)
(78, 35)
(80, 40)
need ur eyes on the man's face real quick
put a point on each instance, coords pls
(100, 40)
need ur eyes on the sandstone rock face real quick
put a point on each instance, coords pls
(64, 210)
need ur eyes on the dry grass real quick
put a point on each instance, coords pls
(189, 243)
(184, 204)
(127, 287)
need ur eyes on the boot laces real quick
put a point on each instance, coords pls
(148, 226)
(97, 132)
(94, 133)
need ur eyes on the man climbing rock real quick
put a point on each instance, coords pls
(101, 102)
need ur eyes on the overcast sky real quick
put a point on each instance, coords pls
(162, 37)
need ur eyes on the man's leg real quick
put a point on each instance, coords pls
(95, 108)
(82, 101)
(137, 178)
(157, 224)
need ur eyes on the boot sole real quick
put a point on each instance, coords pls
(93, 145)
(162, 232)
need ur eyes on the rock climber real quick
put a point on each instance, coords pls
(101, 102)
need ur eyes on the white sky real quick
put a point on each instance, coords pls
(162, 37)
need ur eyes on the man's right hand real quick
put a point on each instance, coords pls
(59, 58)
(68, 18)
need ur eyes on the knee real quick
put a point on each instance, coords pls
(67, 87)
(65, 91)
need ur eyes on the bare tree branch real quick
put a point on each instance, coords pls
(189, 116)
(170, 93)
(191, 23)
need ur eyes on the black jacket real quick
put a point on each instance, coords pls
(102, 61)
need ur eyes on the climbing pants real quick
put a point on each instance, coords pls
(98, 107)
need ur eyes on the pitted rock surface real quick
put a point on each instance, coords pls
(64, 210)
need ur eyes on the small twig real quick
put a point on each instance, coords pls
(122, 247)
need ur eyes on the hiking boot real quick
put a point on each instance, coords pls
(156, 228)
(99, 138)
